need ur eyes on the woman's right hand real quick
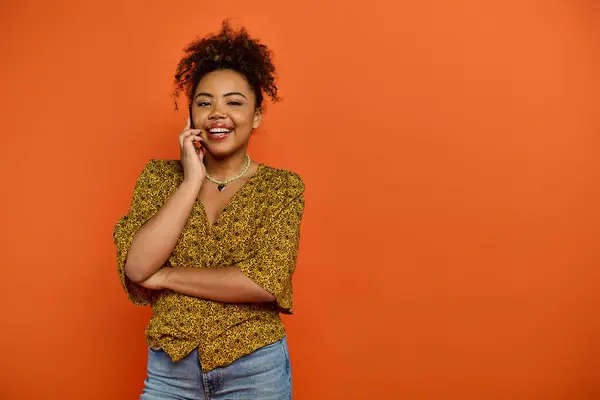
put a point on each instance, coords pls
(192, 160)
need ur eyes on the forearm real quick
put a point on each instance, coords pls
(157, 238)
(227, 285)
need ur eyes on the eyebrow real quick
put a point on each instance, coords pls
(225, 95)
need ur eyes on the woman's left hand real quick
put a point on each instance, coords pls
(157, 281)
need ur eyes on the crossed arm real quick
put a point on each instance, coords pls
(227, 285)
(144, 244)
(154, 242)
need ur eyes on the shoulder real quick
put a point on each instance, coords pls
(160, 177)
(284, 181)
(158, 167)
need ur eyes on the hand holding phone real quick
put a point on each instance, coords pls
(197, 145)
(192, 155)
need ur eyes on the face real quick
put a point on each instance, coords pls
(224, 107)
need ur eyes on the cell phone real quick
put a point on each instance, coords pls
(191, 119)
(197, 145)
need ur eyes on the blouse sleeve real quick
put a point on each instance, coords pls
(275, 261)
(144, 205)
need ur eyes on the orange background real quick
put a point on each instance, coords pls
(450, 151)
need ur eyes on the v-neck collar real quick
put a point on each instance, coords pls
(245, 186)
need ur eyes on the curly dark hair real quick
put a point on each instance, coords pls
(227, 49)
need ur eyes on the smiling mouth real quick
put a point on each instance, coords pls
(219, 133)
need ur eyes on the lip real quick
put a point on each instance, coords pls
(215, 126)
(221, 136)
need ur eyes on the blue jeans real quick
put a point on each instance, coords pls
(264, 374)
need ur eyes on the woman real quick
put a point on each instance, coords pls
(210, 241)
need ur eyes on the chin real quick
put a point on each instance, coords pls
(223, 150)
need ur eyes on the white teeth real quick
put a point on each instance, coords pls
(219, 130)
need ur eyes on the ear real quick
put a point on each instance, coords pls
(257, 118)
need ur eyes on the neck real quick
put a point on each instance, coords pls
(224, 168)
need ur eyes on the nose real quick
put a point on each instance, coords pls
(217, 113)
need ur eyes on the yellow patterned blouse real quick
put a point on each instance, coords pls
(258, 232)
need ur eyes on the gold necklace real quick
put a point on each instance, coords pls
(221, 184)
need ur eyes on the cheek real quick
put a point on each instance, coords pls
(243, 119)
(200, 114)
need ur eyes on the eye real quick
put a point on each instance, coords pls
(203, 104)
(235, 103)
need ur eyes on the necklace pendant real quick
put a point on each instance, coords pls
(221, 187)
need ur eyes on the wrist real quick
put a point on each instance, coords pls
(192, 185)
(167, 277)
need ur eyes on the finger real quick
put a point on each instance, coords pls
(188, 148)
(201, 154)
(187, 134)
(188, 124)
(193, 136)
(198, 142)
(194, 142)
